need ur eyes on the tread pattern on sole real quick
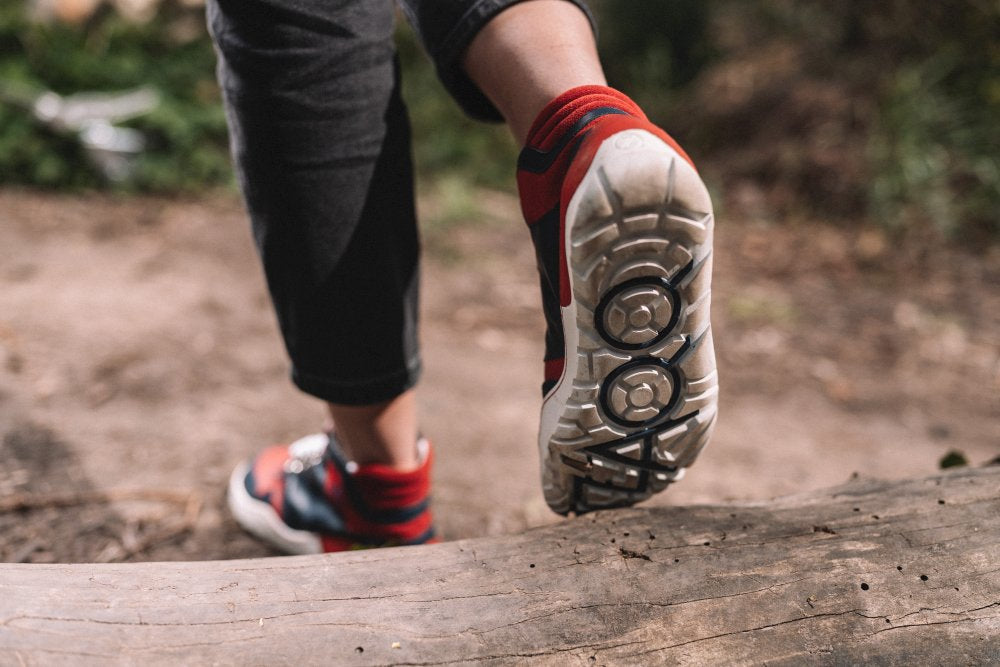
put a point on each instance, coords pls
(643, 400)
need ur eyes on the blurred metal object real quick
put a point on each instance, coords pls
(91, 118)
(112, 149)
(76, 112)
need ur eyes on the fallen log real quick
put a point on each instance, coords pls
(891, 572)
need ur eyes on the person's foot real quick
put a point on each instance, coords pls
(622, 226)
(308, 498)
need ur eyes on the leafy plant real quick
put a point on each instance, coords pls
(187, 132)
(654, 48)
(882, 112)
(926, 81)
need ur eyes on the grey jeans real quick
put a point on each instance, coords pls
(321, 143)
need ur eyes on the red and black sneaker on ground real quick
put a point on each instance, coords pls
(622, 226)
(308, 498)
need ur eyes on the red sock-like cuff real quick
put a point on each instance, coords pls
(563, 112)
(540, 191)
(384, 488)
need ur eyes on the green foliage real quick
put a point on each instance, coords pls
(187, 133)
(930, 73)
(653, 48)
(936, 146)
(914, 146)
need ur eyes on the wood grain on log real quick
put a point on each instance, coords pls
(891, 572)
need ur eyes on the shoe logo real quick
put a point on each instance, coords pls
(629, 141)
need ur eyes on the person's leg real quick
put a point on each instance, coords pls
(521, 71)
(622, 227)
(321, 145)
(382, 433)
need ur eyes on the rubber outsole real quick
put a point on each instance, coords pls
(637, 400)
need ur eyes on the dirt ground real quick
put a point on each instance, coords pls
(139, 361)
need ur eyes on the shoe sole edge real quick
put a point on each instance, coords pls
(664, 213)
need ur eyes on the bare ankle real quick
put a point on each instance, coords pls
(383, 433)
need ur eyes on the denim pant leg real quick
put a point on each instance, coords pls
(320, 139)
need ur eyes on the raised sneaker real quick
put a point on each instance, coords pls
(622, 226)
(308, 498)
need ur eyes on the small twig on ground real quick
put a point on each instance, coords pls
(192, 507)
(190, 500)
(33, 501)
(22, 554)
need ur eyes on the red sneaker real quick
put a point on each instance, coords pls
(622, 226)
(308, 498)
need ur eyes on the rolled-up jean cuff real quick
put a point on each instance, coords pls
(359, 392)
(447, 56)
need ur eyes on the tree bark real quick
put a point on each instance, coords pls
(888, 572)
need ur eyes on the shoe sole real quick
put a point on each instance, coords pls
(259, 518)
(637, 400)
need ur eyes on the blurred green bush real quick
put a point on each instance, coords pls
(935, 146)
(932, 73)
(883, 112)
(187, 132)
